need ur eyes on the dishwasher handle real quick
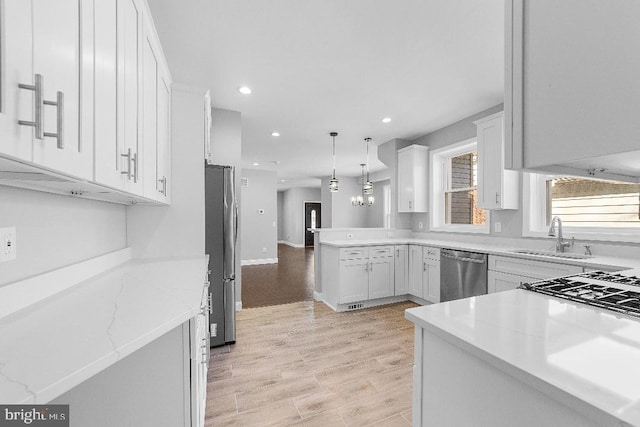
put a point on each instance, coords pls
(463, 259)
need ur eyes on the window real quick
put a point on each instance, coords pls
(454, 192)
(387, 205)
(589, 208)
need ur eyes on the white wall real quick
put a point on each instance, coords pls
(375, 213)
(176, 230)
(54, 231)
(293, 213)
(280, 215)
(259, 237)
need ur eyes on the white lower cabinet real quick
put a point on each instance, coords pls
(369, 275)
(507, 273)
(431, 274)
(200, 352)
(415, 270)
(401, 270)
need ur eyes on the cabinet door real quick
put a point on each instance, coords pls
(573, 65)
(405, 182)
(150, 86)
(381, 278)
(490, 164)
(416, 268)
(498, 281)
(129, 41)
(108, 146)
(15, 103)
(401, 270)
(163, 178)
(58, 48)
(431, 280)
(354, 281)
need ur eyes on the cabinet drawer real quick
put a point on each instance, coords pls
(431, 253)
(380, 251)
(354, 253)
(529, 268)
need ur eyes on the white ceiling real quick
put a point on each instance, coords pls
(321, 65)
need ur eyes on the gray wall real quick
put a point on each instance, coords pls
(54, 231)
(375, 213)
(176, 230)
(292, 216)
(337, 211)
(259, 231)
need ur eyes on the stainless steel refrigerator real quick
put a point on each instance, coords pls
(221, 211)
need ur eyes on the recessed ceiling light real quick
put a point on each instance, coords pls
(386, 120)
(275, 133)
(245, 90)
(256, 164)
(282, 180)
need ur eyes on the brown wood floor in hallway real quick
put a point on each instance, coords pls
(303, 364)
(290, 280)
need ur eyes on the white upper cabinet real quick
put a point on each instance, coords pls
(48, 83)
(75, 103)
(108, 147)
(497, 188)
(413, 164)
(571, 98)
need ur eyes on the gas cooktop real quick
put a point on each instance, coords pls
(611, 291)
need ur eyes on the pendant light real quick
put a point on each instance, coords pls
(367, 187)
(333, 184)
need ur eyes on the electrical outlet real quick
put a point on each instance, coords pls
(420, 225)
(497, 227)
(8, 244)
(349, 235)
(264, 250)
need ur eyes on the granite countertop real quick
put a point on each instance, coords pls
(587, 358)
(57, 343)
(596, 262)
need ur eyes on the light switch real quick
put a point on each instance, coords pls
(7, 244)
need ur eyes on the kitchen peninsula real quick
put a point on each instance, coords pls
(521, 358)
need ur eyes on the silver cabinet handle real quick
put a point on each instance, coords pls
(424, 266)
(497, 198)
(371, 268)
(38, 101)
(135, 167)
(128, 157)
(210, 304)
(163, 181)
(59, 104)
(409, 204)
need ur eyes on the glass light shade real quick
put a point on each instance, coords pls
(333, 185)
(367, 188)
(371, 200)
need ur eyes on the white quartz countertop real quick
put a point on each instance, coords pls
(595, 262)
(587, 358)
(50, 347)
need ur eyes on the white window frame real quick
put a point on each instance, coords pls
(534, 216)
(439, 177)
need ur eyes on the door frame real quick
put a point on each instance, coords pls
(304, 228)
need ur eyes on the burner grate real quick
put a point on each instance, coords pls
(603, 295)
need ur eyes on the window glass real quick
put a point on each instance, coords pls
(461, 195)
(582, 202)
(313, 218)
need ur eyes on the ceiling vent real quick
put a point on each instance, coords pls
(244, 182)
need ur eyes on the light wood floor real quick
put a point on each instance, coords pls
(303, 364)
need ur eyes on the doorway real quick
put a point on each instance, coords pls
(311, 220)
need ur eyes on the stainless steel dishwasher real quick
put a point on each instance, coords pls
(462, 274)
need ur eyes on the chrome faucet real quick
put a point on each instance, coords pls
(561, 244)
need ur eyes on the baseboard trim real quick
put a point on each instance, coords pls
(238, 305)
(317, 296)
(293, 245)
(259, 261)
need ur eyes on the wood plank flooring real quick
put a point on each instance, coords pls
(302, 364)
(290, 280)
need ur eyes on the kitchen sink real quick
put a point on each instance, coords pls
(566, 255)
